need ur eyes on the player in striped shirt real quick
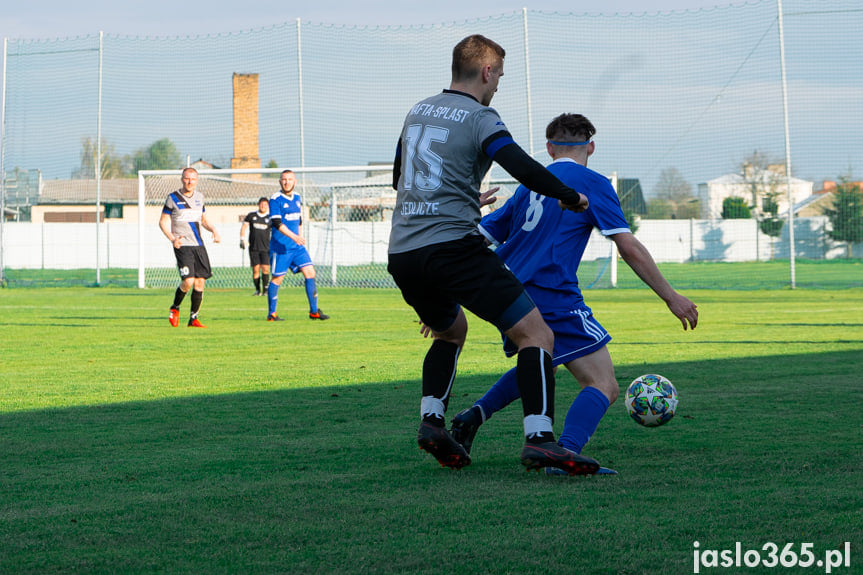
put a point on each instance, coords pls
(183, 216)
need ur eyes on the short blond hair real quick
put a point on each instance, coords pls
(471, 54)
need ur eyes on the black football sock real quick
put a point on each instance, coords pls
(535, 377)
(266, 279)
(197, 298)
(179, 295)
(257, 282)
(439, 370)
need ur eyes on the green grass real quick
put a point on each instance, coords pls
(776, 274)
(252, 447)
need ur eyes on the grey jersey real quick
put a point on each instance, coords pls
(442, 166)
(186, 213)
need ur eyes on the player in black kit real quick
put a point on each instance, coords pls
(258, 224)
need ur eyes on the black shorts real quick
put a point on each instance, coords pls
(193, 262)
(437, 279)
(259, 258)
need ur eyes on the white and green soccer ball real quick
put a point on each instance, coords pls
(651, 400)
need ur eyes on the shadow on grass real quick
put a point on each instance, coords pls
(301, 479)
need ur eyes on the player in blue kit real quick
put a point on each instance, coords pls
(440, 262)
(543, 246)
(288, 247)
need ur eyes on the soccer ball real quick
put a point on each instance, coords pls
(651, 400)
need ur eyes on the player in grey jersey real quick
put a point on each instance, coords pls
(182, 218)
(441, 264)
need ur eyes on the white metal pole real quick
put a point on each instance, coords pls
(140, 230)
(612, 263)
(300, 95)
(527, 85)
(99, 167)
(3, 168)
(691, 239)
(333, 219)
(791, 246)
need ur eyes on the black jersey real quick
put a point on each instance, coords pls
(259, 231)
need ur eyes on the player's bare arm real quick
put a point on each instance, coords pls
(639, 259)
(243, 229)
(165, 226)
(487, 197)
(300, 240)
(210, 228)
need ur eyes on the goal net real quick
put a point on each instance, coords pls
(346, 223)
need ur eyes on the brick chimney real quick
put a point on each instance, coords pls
(246, 124)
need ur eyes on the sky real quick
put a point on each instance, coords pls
(834, 123)
(44, 19)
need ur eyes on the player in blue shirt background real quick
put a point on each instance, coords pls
(543, 246)
(288, 247)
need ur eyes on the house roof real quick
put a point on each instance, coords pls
(120, 191)
(217, 190)
(813, 205)
(764, 177)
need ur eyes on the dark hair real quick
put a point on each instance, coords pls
(472, 53)
(263, 200)
(570, 128)
(287, 171)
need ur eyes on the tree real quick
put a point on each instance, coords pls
(763, 179)
(734, 208)
(631, 219)
(160, 155)
(271, 164)
(659, 209)
(846, 214)
(689, 210)
(673, 189)
(111, 164)
(771, 224)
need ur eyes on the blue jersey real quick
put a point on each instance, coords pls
(543, 244)
(287, 210)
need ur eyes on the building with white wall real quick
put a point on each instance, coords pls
(754, 185)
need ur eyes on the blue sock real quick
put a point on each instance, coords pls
(501, 394)
(583, 418)
(272, 296)
(312, 294)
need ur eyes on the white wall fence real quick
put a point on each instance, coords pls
(72, 245)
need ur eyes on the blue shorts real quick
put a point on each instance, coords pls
(295, 259)
(576, 334)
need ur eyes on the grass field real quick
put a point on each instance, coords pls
(775, 274)
(129, 446)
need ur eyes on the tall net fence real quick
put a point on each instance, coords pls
(689, 107)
